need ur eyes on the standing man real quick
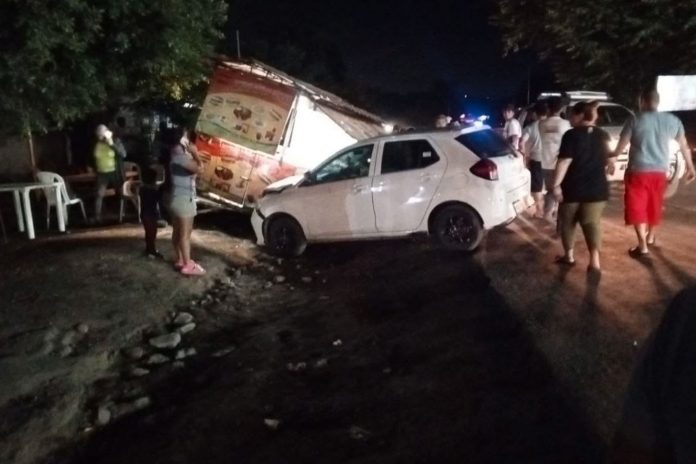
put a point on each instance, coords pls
(513, 130)
(532, 149)
(551, 131)
(107, 165)
(649, 134)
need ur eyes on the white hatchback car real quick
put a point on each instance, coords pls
(452, 185)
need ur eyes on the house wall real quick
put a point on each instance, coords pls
(15, 163)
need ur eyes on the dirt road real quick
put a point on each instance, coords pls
(378, 352)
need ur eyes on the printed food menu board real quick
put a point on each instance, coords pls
(239, 130)
(246, 109)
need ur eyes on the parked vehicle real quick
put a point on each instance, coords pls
(612, 118)
(452, 185)
(258, 125)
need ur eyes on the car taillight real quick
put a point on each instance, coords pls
(485, 169)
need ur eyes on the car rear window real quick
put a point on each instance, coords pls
(485, 144)
(612, 116)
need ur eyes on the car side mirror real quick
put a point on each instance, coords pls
(309, 178)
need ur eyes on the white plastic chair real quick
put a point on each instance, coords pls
(129, 191)
(68, 200)
(130, 166)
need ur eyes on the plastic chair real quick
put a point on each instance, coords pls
(129, 191)
(131, 166)
(68, 199)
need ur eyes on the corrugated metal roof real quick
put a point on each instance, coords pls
(319, 96)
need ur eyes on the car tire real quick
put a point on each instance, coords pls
(457, 228)
(285, 238)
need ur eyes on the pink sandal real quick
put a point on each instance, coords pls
(192, 269)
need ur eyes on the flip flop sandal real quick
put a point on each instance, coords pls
(563, 261)
(635, 253)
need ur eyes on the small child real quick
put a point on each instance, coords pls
(149, 211)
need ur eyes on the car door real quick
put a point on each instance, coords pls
(335, 200)
(409, 174)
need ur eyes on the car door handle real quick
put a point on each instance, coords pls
(359, 188)
(425, 177)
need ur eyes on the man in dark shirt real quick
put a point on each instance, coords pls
(659, 420)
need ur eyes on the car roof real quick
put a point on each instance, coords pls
(452, 132)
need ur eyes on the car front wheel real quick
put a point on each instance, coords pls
(457, 227)
(285, 238)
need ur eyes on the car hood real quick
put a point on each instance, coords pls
(282, 184)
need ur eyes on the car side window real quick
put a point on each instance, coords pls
(406, 155)
(351, 164)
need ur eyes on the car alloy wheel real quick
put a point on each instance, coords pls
(285, 237)
(458, 227)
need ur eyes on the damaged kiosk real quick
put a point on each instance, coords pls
(258, 125)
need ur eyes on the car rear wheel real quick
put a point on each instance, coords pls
(284, 237)
(457, 227)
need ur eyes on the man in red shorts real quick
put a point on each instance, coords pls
(649, 134)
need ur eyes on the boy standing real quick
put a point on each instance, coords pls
(512, 133)
(532, 148)
(149, 211)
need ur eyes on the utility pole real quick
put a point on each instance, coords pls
(239, 47)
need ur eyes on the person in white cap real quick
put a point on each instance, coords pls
(105, 152)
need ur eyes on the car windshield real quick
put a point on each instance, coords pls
(485, 144)
(612, 116)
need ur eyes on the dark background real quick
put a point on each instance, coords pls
(410, 59)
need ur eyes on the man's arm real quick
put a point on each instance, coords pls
(624, 140)
(559, 174)
(686, 152)
(118, 148)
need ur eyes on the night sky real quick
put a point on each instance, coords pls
(398, 46)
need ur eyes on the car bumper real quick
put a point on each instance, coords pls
(506, 203)
(257, 224)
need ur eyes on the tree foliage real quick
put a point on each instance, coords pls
(62, 60)
(295, 46)
(615, 45)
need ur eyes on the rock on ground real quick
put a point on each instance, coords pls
(166, 341)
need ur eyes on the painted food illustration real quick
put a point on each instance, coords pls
(223, 173)
(242, 112)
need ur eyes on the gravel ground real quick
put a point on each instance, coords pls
(371, 352)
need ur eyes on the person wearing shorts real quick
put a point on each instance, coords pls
(649, 134)
(532, 149)
(184, 164)
(551, 131)
(581, 185)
